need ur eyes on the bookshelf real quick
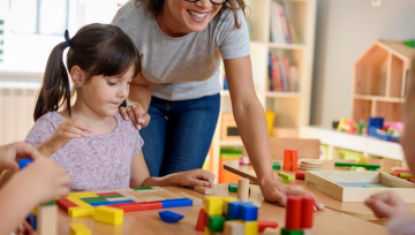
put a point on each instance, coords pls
(292, 109)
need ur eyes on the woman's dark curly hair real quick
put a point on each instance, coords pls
(156, 6)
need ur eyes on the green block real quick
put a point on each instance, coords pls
(405, 175)
(285, 231)
(113, 196)
(353, 168)
(410, 43)
(286, 181)
(372, 169)
(144, 188)
(346, 164)
(93, 199)
(387, 172)
(286, 176)
(216, 223)
(276, 165)
(49, 203)
(233, 189)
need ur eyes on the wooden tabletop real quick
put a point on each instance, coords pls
(356, 209)
(148, 222)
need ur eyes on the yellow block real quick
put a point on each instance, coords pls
(79, 229)
(214, 205)
(362, 160)
(34, 211)
(109, 215)
(251, 227)
(80, 211)
(79, 202)
(207, 231)
(226, 200)
(83, 194)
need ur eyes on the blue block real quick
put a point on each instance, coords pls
(33, 221)
(102, 203)
(170, 217)
(248, 212)
(23, 162)
(233, 210)
(125, 201)
(176, 202)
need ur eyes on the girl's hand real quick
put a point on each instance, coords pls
(274, 192)
(136, 114)
(11, 153)
(198, 177)
(43, 179)
(388, 205)
(67, 130)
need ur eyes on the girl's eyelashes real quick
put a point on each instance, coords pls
(112, 83)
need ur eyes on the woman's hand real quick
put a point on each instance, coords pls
(11, 153)
(136, 114)
(388, 205)
(275, 192)
(198, 177)
(67, 130)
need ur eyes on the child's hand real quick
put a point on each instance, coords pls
(11, 153)
(67, 130)
(44, 179)
(388, 205)
(196, 177)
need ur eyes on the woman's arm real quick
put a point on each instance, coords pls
(250, 119)
(140, 177)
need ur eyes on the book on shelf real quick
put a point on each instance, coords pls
(282, 31)
(283, 75)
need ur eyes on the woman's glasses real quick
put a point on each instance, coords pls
(217, 2)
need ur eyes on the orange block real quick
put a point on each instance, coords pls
(294, 160)
(287, 160)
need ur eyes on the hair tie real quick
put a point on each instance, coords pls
(67, 39)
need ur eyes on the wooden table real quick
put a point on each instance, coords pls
(356, 209)
(148, 222)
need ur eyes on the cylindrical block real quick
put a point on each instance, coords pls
(293, 216)
(300, 175)
(287, 160)
(307, 212)
(243, 189)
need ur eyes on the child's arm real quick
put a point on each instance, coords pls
(388, 205)
(67, 130)
(140, 176)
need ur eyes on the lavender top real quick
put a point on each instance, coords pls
(96, 163)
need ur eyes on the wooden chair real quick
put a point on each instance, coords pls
(307, 148)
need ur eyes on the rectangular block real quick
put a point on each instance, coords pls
(141, 206)
(82, 194)
(108, 194)
(232, 187)
(195, 200)
(78, 202)
(90, 200)
(109, 215)
(276, 165)
(286, 176)
(47, 222)
(116, 199)
(33, 221)
(79, 229)
(80, 211)
(285, 231)
(176, 202)
(226, 200)
(248, 212)
(405, 175)
(216, 223)
(287, 160)
(233, 228)
(251, 227)
(204, 190)
(346, 164)
(106, 203)
(113, 196)
(143, 188)
(233, 210)
(214, 205)
(294, 160)
(262, 225)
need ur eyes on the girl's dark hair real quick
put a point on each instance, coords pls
(156, 6)
(98, 49)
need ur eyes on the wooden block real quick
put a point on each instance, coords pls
(262, 225)
(79, 202)
(83, 194)
(107, 194)
(243, 189)
(109, 215)
(200, 225)
(64, 204)
(233, 228)
(287, 160)
(80, 211)
(272, 231)
(204, 190)
(293, 213)
(79, 229)
(214, 205)
(130, 195)
(294, 160)
(405, 175)
(195, 200)
(153, 199)
(310, 231)
(47, 220)
(116, 199)
(286, 176)
(226, 200)
(251, 227)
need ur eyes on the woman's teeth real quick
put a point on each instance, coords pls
(200, 16)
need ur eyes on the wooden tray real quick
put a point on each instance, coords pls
(329, 182)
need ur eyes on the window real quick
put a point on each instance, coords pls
(47, 17)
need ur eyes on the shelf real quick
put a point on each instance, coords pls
(231, 143)
(379, 98)
(276, 94)
(287, 46)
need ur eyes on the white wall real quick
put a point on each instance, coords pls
(345, 29)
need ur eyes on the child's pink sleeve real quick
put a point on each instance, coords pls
(40, 132)
(138, 144)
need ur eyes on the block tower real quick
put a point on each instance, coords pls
(299, 216)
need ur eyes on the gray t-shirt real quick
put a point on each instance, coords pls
(186, 67)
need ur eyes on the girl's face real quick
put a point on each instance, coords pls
(191, 16)
(104, 94)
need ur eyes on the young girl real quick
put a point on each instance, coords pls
(89, 138)
(388, 205)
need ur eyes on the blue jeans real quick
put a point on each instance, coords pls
(180, 133)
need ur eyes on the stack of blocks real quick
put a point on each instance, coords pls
(290, 160)
(299, 216)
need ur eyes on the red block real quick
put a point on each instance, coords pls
(107, 194)
(115, 206)
(300, 175)
(294, 160)
(307, 212)
(287, 160)
(200, 225)
(411, 180)
(64, 204)
(293, 215)
(395, 174)
(262, 225)
(140, 206)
